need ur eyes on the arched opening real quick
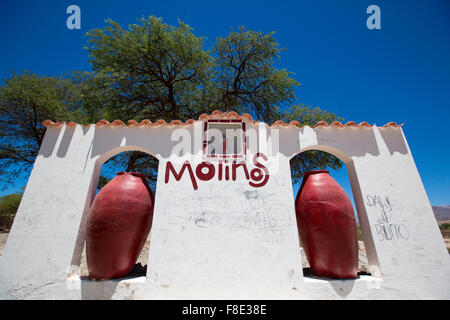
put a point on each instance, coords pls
(342, 170)
(121, 159)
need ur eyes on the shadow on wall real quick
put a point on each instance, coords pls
(49, 142)
(158, 139)
(394, 140)
(105, 139)
(343, 287)
(98, 290)
(290, 138)
(51, 137)
(348, 141)
(65, 142)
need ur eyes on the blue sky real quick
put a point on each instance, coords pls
(400, 73)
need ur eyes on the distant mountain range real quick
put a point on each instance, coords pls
(442, 213)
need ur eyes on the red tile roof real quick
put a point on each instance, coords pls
(215, 115)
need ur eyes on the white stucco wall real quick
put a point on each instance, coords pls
(227, 239)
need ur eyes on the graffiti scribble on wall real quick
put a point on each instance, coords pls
(386, 228)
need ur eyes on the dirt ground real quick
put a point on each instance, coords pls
(3, 236)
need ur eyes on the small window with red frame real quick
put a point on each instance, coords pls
(224, 138)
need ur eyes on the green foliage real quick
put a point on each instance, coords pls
(10, 203)
(93, 98)
(27, 100)
(308, 116)
(153, 70)
(157, 71)
(102, 181)
(245, 77)
(359, 233)
(444, 226)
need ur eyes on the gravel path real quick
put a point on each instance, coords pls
(3, 236)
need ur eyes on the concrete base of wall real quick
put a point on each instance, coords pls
(140, 288)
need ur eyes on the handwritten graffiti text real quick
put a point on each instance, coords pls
(385, 228)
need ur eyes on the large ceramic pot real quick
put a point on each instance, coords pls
(118, 225)
(327, 226)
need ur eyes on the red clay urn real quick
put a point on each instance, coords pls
(118, 224)
(327, 226)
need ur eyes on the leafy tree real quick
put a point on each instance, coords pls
(245, 77)
(93, 98)
(27, 100)
(10, 203)
(153, 70)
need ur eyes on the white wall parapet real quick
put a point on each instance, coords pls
(226, 235)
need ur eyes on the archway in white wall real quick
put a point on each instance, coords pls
(126, 159)
(324, 157)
